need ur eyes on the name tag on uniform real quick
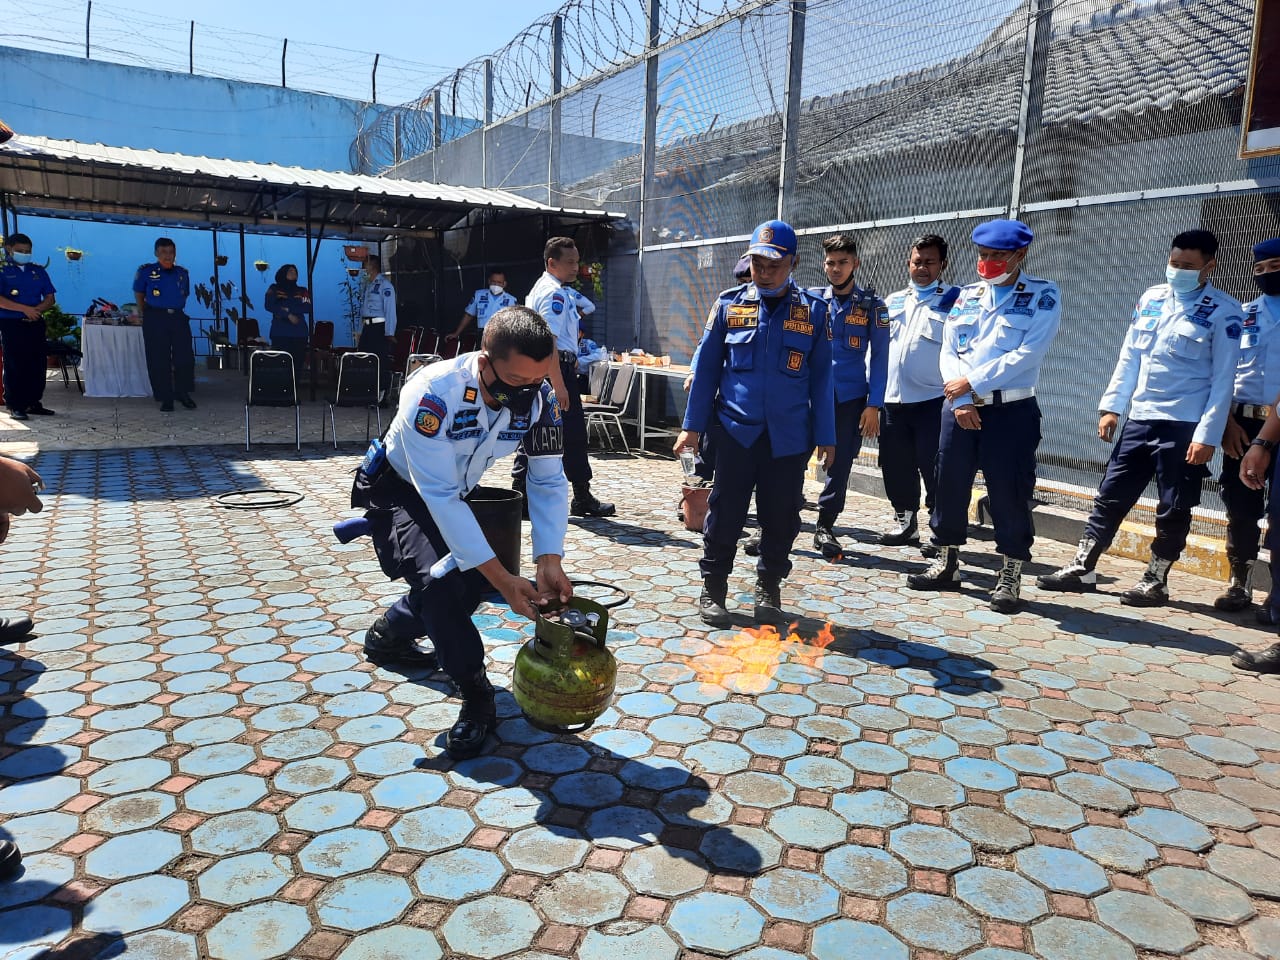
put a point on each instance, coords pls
(1204, 310)
(1199, 321)
(792, 325)
(739, 316)
(1248, 341)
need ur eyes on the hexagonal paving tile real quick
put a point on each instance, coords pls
(660, 872)
(243, 879)
(342, 852)
(136, 905)
(133, 855)
(1168, 828)
(1063, 871)
(539, 850)
(1147, 922)
(362, 902)
(585, 898)
(1202, 895)
(867, 871)
(1065, 938)
(1039, 808)
(842, 939)
(933, 923)
(437, 828)
(927, 789)
(810, 827)
(396, 941)
(1115, 848)
(491, 927)
(795, 895)
(1001, 894)
(936, 848)
(739, 849)
(989, 829)
(458, 874)
(716, 922)
(1255, 870)
(631, 940)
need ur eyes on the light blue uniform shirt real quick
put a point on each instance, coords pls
(1179, 359)
(558, 305)
(380, 303)
(1258, 373)
(916, 324)
(484, 305)
(997, 336)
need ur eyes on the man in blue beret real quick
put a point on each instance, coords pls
(995, 338)
(1175, 375)
(762, 383)
(1256, 388)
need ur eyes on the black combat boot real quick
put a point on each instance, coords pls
(942, 574)
(768, 601)
(1152, 590)
(824, 541)
(478, 716)
(1239, 593)
(586, 505)
(382, 647)
(752, 547)
(10, 859)
(1268, 661)
(711, 604)
(13, 629)
(907, 531)
(1007, 596)
(1078, 576)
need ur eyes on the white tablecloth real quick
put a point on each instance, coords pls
(115, 361)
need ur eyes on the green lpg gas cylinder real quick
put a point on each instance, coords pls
(564, 675)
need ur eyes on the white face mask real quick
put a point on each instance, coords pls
(496, 289)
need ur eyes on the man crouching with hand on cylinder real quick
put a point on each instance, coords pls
(455, 418)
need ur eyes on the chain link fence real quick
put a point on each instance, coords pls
(1108, 126)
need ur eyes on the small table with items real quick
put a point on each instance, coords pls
(115, 360)
(643, 372)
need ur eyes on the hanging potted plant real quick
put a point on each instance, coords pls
(261, 266)
(220, 259)
(72, 253)
(355, 251)
(353, 271)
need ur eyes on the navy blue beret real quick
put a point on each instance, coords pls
(1003, 234)
(1266, 250)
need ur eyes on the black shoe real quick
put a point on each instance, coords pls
(381, 648)
(588, 506)
(1147, 592)
(166, 407)
(1073, 578)
(907, 531)
(187, 402)
(929, 550)
(19, 414)
(711, 609)
(768, 602)
(1268, 661)
(10, 860)
(942, 574)
(1264, 616)
(825, 542)
(13, 629)
(41, 410)
(477, 717)
(752, 547)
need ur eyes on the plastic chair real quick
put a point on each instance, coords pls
(272, 384)
(601, 415)
(417, 361)
(597, 377)
(406, 341)
(358, 386)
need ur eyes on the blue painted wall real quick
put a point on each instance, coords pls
(75, 99)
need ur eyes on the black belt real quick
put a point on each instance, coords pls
(172, 311)
(568, 356)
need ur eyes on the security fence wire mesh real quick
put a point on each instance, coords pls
(1107, 126)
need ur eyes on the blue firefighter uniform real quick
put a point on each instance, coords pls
(859, 329)
(166, 331)
(23, 340)
(1175, 375)
(762, 382)
(913, 396)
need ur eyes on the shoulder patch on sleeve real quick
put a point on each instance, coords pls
(1047, 301)
(1233, 331)
(430, 415)
(882, 315)
(557, 303)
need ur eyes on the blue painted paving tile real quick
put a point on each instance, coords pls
(358, 903)
(459, 874)
(130, 693)
(211, 760)
(342, 852)
(433, 829)
(933, 923)
(261, 930)
(716, 922)
(587, 789)
(740, 849)
(203, 705)
(47, 793)
(239, 832)
(208, 731)
(1167, 828)
(715, 756)
(268, 693)
(485, 773)
(544, 851)
(651, 773)
(1140, 775)
(133, 855)
(937, 848)
(42, 875)
(395, 941)
(325, 811)
(134, 811)
(772, 742)
(344, 681)
(359, 704)
(866, 871)
(1063, 871)
(555, 758)
(409, 790)
(867, 757)
(136, 905)
(926, 743)
(36, 926)
(491, 927)
(845, 939)
(618, 827)
(1031, 759)
(245, 878)
(41, 831)
(622, 743)
(1076, 747)
(795, 895)
(1040, 808)
(870, 808)
(129, 776)
(1001, 894)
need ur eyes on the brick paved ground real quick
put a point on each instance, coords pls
(196, 760)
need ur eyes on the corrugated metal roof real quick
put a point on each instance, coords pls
(40, 174)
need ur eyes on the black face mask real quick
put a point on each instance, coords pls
(1268, 283)
(515, 398)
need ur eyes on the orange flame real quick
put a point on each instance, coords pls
(747, 662)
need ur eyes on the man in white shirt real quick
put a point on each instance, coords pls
(378, 317)
(484, 304)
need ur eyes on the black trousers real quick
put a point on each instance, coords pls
(24, 361)
(577, 467)
(909, 452)
(171, 362)
(407, 543)
(373, 339)
(1147, 448)
(848, 446)
(778, 483)
(1245, 507)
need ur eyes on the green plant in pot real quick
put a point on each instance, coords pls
(61, 327)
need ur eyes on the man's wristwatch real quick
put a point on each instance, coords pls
(1267, 445)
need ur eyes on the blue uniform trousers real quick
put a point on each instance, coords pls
(704, 461)
(171, 362)
(1245, 507)
(24, 361)
(1143, 449)
(909, 452)
(848, 445)
(1005, 450)
(577, 468)
(407, 542)
(778, 483)
(1273, 540)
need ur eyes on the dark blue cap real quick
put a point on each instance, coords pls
(742, 269)
(1266, 250)
(1003, 234)
(773, 240)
